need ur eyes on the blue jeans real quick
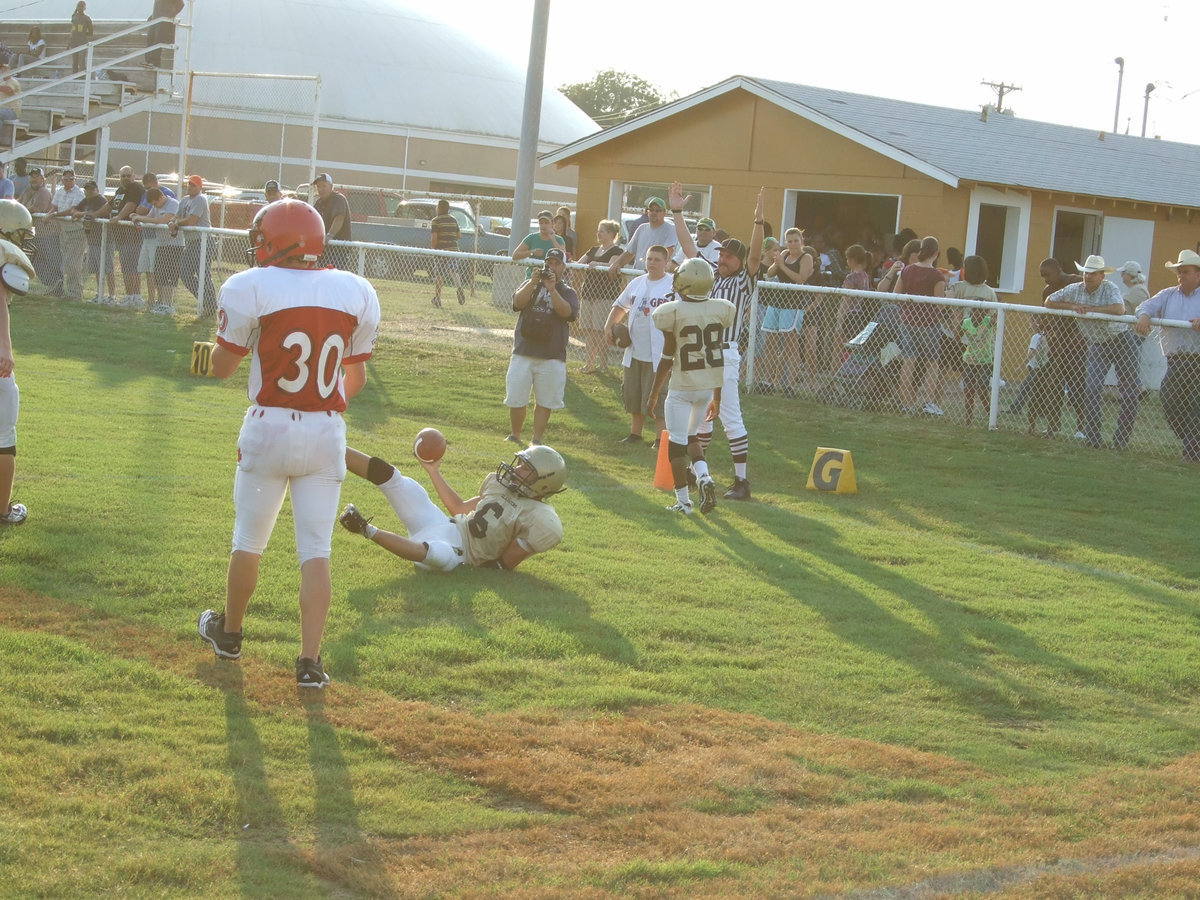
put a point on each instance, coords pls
(1120, 351)
(1180, 395)
(195, 279)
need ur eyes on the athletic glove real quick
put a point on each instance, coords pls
(202, 357)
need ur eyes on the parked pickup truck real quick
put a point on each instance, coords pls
(408, 226)
(385, 216)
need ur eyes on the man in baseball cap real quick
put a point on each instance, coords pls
(546, 307)
(706, 242)
(537, 244)
(655, 231)
(271, 191)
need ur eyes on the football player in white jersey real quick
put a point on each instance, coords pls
(16, 227)
(506, 523)
(693, 326)
(734, 272)
(308, 333)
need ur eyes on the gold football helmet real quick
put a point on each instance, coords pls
(694, 279)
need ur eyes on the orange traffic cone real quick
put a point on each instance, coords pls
(663, 479)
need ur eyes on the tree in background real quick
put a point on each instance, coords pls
(612, 97)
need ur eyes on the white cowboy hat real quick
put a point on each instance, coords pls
(1095, 263)
(1186, 258)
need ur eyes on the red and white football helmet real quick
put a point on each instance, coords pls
(287, 231)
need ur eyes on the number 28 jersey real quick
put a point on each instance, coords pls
(301, 325)
(699, 329)
(501, 515)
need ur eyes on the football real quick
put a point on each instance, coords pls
(621, 335)
(430, 445)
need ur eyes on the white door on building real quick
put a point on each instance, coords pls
(1120, 241)
(1125, 239)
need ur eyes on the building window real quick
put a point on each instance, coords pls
(627, 200)
(998, 230)
(857, 218)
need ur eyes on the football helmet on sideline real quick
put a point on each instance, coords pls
(694, 279)
(547, 473)
(16, 225)
(287, 231)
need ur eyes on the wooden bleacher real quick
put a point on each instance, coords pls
(50, 103)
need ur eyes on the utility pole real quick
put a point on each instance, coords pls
(1146, 108)
(1001, 89)
(1120, 61)
(531, 119)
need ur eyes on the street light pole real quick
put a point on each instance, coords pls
(1146, 108)
(1120, 61)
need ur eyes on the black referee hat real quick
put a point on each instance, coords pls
(736, 247)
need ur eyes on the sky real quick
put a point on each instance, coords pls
(1060, 54)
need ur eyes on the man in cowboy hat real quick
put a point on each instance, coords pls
(1180, 391)
(1109, 344)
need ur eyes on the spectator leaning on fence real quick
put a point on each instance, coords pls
(921, 333)
(1135, 291)
(72, 242)
(1109, 344)
(537, 244)
(95, 206)
(1180, 392)
(193, 213)
(1067, 352)
(979, 335)
(123, 204)
(335, 213)
(598, 288)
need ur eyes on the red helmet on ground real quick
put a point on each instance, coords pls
(287, 231)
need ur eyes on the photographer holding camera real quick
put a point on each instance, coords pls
(546, 306)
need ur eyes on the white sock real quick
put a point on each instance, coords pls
(681, 494)
(739, 470)
(700, 467)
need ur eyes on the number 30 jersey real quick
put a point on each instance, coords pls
(501, 515)
(699, 329)
(301, 325)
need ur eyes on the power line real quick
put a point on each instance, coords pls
(1001, 89)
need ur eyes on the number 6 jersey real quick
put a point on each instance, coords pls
(501, 515)
(699, 329)
(301, 325)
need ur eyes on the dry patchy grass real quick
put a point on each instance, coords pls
(688, 801)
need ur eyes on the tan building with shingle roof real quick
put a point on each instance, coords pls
(1014, 191)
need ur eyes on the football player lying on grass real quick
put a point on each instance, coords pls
(506, 523)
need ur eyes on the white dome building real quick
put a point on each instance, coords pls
(406, 101)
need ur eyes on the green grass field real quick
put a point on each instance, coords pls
(980, 674)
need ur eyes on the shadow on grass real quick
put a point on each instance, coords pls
(262, 826)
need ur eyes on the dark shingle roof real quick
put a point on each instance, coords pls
(1014, 152)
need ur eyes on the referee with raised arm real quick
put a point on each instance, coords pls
(735, 283)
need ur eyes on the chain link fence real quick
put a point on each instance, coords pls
(978, 365)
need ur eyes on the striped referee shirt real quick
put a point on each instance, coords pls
(735, 288)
